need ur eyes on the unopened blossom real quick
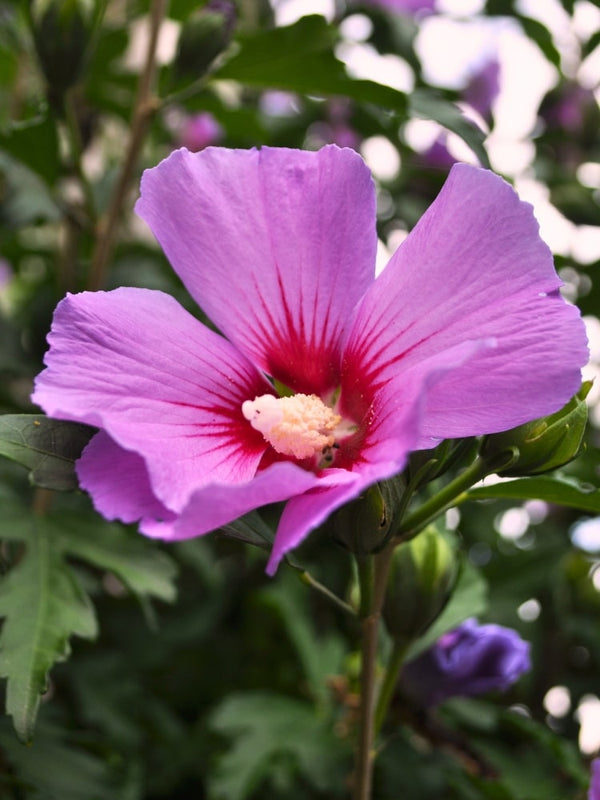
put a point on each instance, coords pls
(469, 660)
(322, 378)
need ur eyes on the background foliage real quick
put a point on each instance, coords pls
(137, 670)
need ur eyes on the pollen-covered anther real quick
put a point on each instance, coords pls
(299, 426)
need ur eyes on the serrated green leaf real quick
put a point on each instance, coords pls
(47, 447)
(263, 726)
(136, 561)
(426, 104)
(559, 490)
(300, 58)
(43, 606)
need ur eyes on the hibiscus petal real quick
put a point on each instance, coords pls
(306, 512)
(276, 245)
(217, 504)
(118, 483)
(134, 363)
(473, 269)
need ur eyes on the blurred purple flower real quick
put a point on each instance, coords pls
(483, 88)
(594, 793)
(437, 155)
(336, 128)
(567, 106)
(404, 6)
(470, 660)
(198, 131)
(463, 333)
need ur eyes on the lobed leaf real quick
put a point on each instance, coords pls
(43, 605)
(265, 726)
(144, 569)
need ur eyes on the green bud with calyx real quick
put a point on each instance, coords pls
(544, 444)
(62, 30)
(422, 576)
(206, 33)
(362, 525)
(425, 466)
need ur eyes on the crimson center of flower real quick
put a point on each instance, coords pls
(301, 426)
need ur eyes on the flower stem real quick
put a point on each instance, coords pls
(389, 682)
(309, 580)
(76, 147)
(452, 494)
(144, 109)
(372, 574)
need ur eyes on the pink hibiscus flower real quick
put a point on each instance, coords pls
(464, 333)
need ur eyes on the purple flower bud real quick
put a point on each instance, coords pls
(594, 793)
(470, 660)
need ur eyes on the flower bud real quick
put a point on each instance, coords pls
(467, 661)
(62, 30)
(205, 34)
(543, 444)
(362, 525)
(422, 575)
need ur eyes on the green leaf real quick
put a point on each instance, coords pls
(322, 654)
(250, 529)
(469, 599)
(265, 728)
(539, 34)
(43, 606)
(592, 43)
(47, 447)
(558, 489)
(81, 774)
(35, 144)
(136, 561)
(300, 58)
(426, 104)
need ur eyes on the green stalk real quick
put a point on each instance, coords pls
(309, 580)
(390, 680)
(452, 494)
(372, 574)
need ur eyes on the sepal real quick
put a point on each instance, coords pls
(543, 444)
